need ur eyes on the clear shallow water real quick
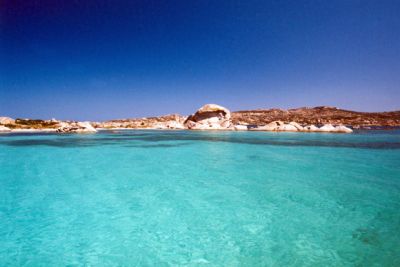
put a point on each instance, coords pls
(178, 198)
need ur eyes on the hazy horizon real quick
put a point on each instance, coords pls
(108, 60)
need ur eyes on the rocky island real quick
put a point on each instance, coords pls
(216, 117)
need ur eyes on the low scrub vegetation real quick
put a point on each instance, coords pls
(32, 124)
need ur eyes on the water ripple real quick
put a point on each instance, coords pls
(135, 139)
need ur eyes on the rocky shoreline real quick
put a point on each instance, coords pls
(320, 116)
(215, 117)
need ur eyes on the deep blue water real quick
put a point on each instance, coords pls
(180, 198)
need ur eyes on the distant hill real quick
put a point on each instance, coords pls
(305, 116)
(318, 115)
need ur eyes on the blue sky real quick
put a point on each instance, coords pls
(97, 60)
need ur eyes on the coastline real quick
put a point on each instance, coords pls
(212, 117)
(100, 130)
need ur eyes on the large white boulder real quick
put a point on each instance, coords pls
(76, 127)
(343, 129)
(4, 129)
(310, 128)
(240, 127)
(168, 125)
(298, 126)
(295, 127)
(214, 108)
(6, 120)
(86, 127)
(286, 128)
(327, 128)
(159, 126)
(210, 117)
(275, 126)
(175, 125)
(272, 126)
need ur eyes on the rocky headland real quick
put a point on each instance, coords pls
(215, 117)
(319, 116)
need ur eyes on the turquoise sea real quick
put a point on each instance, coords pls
(180, 198)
